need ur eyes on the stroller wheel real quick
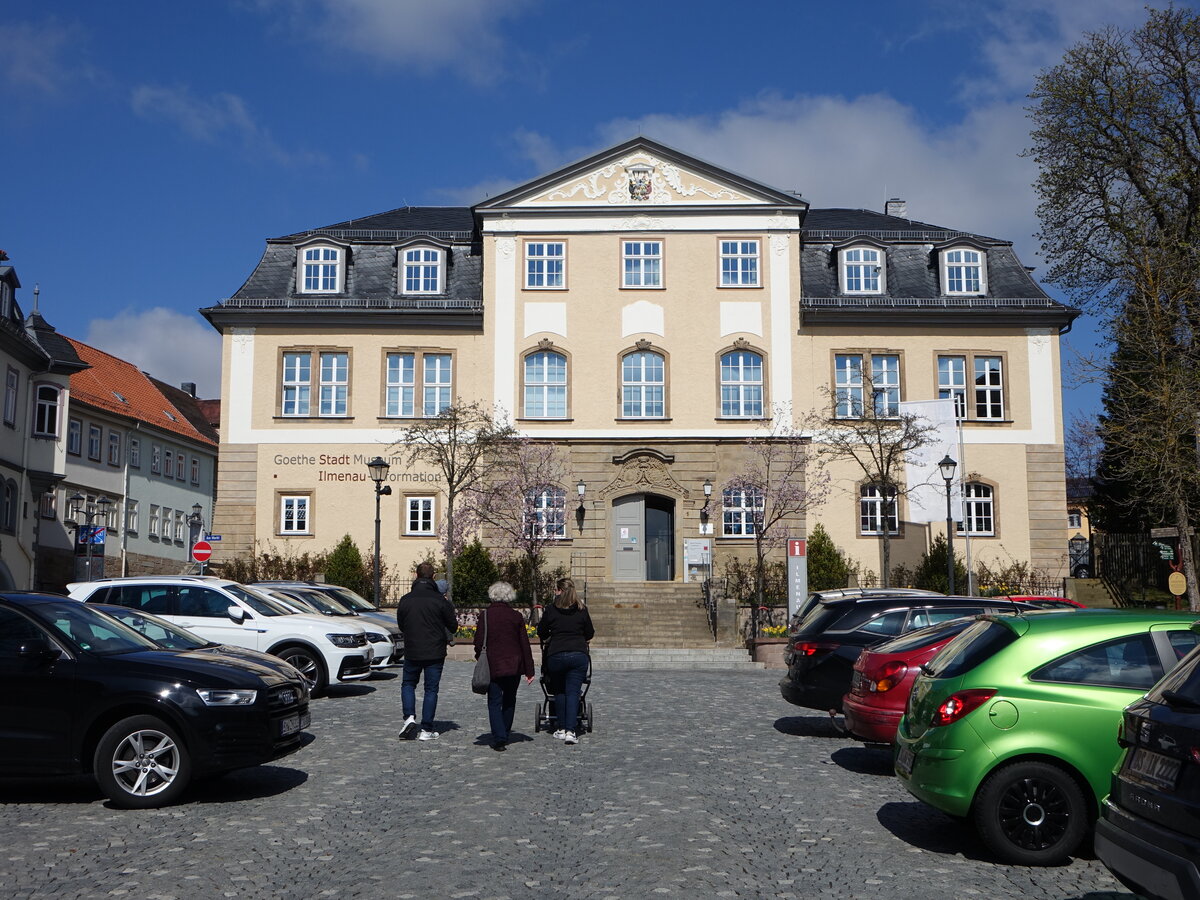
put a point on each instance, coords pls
(537, 717)
(590, 721)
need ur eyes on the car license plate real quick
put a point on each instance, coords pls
(904, 761)
(290, 725)
(1154, 768)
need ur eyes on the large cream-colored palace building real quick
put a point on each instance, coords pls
(650, 312)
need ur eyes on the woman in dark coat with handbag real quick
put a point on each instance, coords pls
(565, 630)
(502, 630)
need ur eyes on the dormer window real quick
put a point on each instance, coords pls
(421, 270)
(321, 270)
(964, 271)
(862, 270)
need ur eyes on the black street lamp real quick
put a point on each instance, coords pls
(79, 506)
(948, 465)
(704, 509)
(580, 510)
(378, 467)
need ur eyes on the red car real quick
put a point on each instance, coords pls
(884, 675)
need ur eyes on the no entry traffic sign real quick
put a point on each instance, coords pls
(201, 551)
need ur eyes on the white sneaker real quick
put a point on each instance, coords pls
(410, 727)
(560, 734)
(569, 738)
(427, 736)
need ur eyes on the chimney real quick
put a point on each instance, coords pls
(189, 388)
(897, 207)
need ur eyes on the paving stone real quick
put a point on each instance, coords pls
(694, 784)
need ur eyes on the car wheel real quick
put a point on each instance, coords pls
(311, 669)
(1031, 814)
(141, 763)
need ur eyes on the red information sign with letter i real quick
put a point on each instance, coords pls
(797, 574)
(201, 551)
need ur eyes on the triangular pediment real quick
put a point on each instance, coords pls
(640, 174)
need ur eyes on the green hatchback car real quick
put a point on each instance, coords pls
(1013, 725)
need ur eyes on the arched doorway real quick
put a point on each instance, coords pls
(643, 538)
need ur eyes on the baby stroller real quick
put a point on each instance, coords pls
(546, 719)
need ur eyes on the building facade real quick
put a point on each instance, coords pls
(649, 313)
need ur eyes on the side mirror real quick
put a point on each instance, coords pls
(39, 652)
(237, 614)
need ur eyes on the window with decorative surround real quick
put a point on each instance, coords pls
(742, 384)
(405, 371)
(332, 386)
(643, 385)
(979, 510)
(418, 519)
(641, 264)
(545, 265)
(875, 509)
(964, 271)
(739, 264)
(294, 513)
(544, 373)
(983, 400)
(422, 270)
(862, 270)
(47, 410)
(851, 385)
(321, 269)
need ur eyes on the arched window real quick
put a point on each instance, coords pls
(421, 271)
(979, 510)
(862, 270)
(45, 411)
(964, 271)
(874, 510)
(545, 374)
(321, 269)
(8, 507)
(643, 385)
(742, 384)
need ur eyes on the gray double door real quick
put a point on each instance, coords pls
(643, 538)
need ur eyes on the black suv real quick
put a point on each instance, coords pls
(1149, 830)
(81, 692)
(824, 644)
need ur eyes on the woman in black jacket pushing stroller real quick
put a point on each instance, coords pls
(565, 630)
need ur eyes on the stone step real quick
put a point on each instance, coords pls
(612, 659)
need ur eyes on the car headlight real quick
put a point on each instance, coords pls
(376, 638)
(346, 640)
(222, 697)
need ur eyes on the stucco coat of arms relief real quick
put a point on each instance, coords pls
(642, 178)
(643, 473)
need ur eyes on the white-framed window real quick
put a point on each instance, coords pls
(742, 384)
(545, 264)
(46, 410)
(850, 385)
(643, 385)
(168, 464)
(862, 270)
(297, 381)
(180, 474)
(421, 271)
(293, 513)
(131, 516)
(548, 513)
(74, 437)
(195, 470)
(320, 270)
(741, 511)
(964, 271)
(165, 522)
(952, 382)
(333, 384)
(12, 383)
(114, 448)
(989, 387)
(1074, 518)
(155, 459)
(48, 506)
(95, 432)
(545, 385)
(874, 510)
(641, 264)
(179, 525)
(154, 517)
(979, 511)
(739, 263)
(8, 506)
(135, 453)
(399, 399)
(438, 378)
(418, 515)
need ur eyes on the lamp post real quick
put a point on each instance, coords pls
(580, 510)
(80, 507)
(948, 465)
(378, 467)
(196, 528)
(704, 509)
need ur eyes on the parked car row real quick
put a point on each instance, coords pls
(1014, 719)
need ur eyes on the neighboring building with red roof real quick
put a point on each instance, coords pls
(150, 450)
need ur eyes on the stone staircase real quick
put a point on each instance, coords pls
(656, 625)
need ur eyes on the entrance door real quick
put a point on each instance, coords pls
(643, 538)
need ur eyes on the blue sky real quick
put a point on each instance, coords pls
(150, 148)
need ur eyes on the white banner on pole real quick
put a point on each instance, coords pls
(927, 497)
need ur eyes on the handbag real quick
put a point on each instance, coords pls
(481, 678)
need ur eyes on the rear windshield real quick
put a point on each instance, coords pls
(923, 637)
(1183, 680)
(978, 643)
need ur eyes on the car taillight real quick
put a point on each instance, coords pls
(959, 704)
(891, 676)
(809, 648)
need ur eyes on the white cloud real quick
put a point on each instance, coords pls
(35, 56)
(171, 346)
(215, 119)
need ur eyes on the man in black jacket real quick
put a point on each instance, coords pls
(427, 620)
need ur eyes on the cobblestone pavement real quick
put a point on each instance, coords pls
(694, 784)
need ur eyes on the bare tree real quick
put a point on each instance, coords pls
(774, 490)
(461, 443)
(882, 441)
(524, 500)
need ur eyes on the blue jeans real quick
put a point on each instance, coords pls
(567, 671)
(413, 668)
(502, 706)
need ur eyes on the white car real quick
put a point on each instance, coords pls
(225, 612)
(314, 603)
